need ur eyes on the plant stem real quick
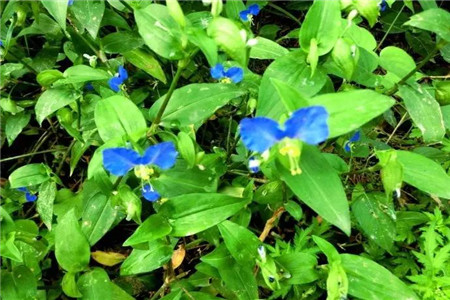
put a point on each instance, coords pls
(285, 12)
(163, 107)
(417, 68)
(126, 5)
(58, 171)
(24, 63)
(31, 154)
(390, 27)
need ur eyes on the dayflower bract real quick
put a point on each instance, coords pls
(233, 74)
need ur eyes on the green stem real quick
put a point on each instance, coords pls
(402, 81)
(58, 171)
(285, 12)
(24, 63)
(126, 5)
(163, 107)
(31, 154)
(390, 27)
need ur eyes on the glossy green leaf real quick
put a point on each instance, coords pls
(95, 285)
(44, 203)
(267, 49)
(122, 41)
(117, 117)
(90, 14)
(396, 61)
(375, 218)
(350, 110)
(83, 73)
(160, 31)
(425, 112)
(47, 77)
(435, 20)
(424, 174)
(193, 104)
(209, 210)
(18, 284)
(143, 261)
(72, 249)
(54, 99)
(58, 10)
(69, 285)
(153, 228)
(300, 266)
(15, 124)
(319, 187)
(292, 70)
(28, 175)
(241, 242)
(199, 38)
(369, 280)
(146, 62)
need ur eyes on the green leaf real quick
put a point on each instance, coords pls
(199, 38)
(436, 20)
(446, 115)
(368, 9)
(120, 42)
(69, 285)
(47, 77)
(350, 110)
(292, 70)
(98, 214)
(146, 62)
(192, 213)
(18, 284)
(153, 228)
(241, 242)
(396, 61)
(95, 285)
(83, 73)
(425, 112)
(328, 249)
(186, 146)
(29, 175)
(344, 57)
(160, 31)
(291, 97)
(180, 180)
(369, 280)
(15, 124)
(54, 99)
(118, 116)
(227, 35)
(301, 267)
(375, 218)
(322, 23)
(44, 203)
(143, 261)
(71, 246)
(267, 49)
(58, 10)
(294, 209)
(193, 104)
(319, 187)
(90, 14)
(424, 174)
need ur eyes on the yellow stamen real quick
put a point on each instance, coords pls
(143, 172)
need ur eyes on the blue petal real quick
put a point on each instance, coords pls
(355, 137)
(1, 43)
(119, 161)
(253, 9)
(347, 147)
(22, 189)
(162, 155)
(308, 124)
(235, 74)
(259, 134)
(123, 74)
(244, 15)
(70, 2)
(30, 197)
(253, 164)
(149, 193)
(89, 86)
(383, 5)
(114, 83)
(217, 72)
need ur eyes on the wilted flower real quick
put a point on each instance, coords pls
(248, 13)
(119, 161)
(116, 81)
(233, 74)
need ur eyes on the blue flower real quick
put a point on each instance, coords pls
(119, 161)
(383, 5)
(149, 193)
(253, 164)
(117, 80)
(308, 124)
(1, 43)
(89, 86)
(70, 2)
(29, 196)
(248, 13)
(233, 74)
(354, 138)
